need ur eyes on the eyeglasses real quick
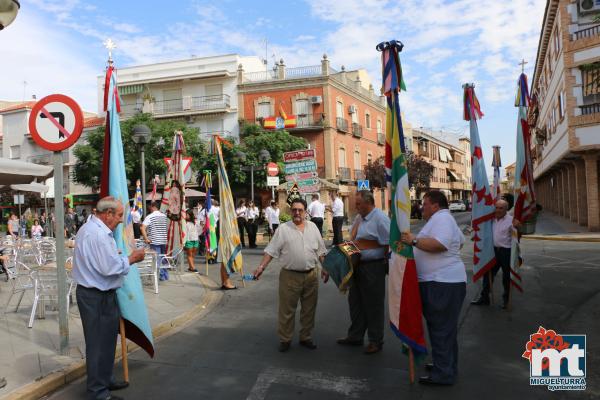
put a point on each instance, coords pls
(297, 210)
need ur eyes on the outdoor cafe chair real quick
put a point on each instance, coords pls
(46, 288)
(19, 276)
(171, 262)
(148, 267)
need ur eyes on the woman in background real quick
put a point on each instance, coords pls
(36, 230)
(191, 239)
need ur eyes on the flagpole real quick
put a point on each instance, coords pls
(411, 365)
(124, 350)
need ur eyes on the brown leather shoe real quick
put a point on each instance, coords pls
(373, 348)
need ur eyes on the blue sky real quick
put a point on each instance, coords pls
(56, 47)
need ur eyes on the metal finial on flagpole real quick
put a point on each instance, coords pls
(522, 64)
(110, 46)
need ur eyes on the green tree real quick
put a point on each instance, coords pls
(254, 139)
(419, 172)
(375, 173)
(89, 154)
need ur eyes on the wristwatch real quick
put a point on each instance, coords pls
(414, 242)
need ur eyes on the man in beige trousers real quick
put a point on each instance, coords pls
(299, 246)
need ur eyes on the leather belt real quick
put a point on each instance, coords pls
(301, 272)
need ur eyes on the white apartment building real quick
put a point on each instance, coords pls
(202, 91)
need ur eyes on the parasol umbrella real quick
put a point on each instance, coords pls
(16, 171)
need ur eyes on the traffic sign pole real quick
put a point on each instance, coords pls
(61, 273)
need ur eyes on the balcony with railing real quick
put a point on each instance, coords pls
(341, 124)
(187, 105)
(590, 109)
(359, 174)
(587, 32)
(357, 129)
(310, 121)
(344, 174)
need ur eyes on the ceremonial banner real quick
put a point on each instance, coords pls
(172, 199)
(210, 229)
(404, 299)
(525, 204)
(230, 246)
(114, 183)
(483, 202)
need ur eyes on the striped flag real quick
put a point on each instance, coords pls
(404, 299)
(496, 163)
(210, 229)
(483, 202)
(114, 183)
(525, 204)
(230, 245)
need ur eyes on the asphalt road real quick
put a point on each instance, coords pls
(232, 352)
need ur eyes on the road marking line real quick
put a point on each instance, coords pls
(344, 385)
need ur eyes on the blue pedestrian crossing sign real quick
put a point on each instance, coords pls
(363, 185)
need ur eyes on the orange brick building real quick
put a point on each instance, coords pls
(337, 112)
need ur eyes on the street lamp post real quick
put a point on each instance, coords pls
(263, 157)
(141, 135)
(8, 12)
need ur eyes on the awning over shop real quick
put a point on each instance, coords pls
(130, 89)
(30, 187)
(453, 175)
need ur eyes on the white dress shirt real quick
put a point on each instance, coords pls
(272, 215)
(337, 207)
(503, 229)
(251, 213)
(316, 209)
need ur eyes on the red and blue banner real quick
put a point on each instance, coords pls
(483, 202)
(114, 183)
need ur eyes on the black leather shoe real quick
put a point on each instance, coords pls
(308, 344)
(118, 386)
(284, 346)
(481, 302)
(373, 348)
(428, 366)
(426, 380)
(346, 341)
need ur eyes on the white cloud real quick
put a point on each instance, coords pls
(434, 56)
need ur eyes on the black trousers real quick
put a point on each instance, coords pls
(252, 228)
(99, 313)
(366, 300)
(337, 230)
(502, 261)
(241, 227)
(319, 223)
(137, 233)
(441, 308)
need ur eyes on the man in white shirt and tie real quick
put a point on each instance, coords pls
(252, 214)
(316, 210)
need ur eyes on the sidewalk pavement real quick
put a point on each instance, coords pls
(30, 359)
(551, 226)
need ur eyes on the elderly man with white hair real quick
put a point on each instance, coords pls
(503, 229)
(99, 270)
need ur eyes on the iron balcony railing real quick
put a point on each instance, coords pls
(359, 174)
(344, 174)
(590, 109)
(587, 32)
(316, 120)
(357, 129)
(341, 124)
(185, 104)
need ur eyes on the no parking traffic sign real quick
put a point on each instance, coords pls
(56, 122)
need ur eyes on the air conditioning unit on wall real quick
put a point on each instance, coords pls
(586, 6)
(316, 100)
(351, 109)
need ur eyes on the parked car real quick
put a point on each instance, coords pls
(457, 205)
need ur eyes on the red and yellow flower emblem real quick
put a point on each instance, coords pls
(544, 339)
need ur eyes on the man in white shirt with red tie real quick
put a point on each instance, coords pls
(503, 228)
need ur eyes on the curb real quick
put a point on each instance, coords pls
(55, 380)
(559, 238)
